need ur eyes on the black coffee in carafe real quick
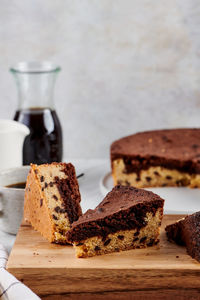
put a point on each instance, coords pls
(44, 143)
(35, 83)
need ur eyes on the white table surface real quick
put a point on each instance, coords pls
(94, 170)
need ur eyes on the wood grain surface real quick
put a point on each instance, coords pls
(164, 271)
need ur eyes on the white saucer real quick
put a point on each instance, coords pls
(178, 200)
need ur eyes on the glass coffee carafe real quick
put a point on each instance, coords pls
(35, 83)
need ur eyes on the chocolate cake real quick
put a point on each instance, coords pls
(157, 158)
(187, 232)
(127, 218)
(52, 200)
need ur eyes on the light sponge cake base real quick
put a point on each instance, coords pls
(123, 239)
(60, 220)
(153, 177)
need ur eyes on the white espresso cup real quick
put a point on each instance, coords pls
(12, 199)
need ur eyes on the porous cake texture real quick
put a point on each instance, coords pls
(52, 200)
(157, 158)
(186, 232)
(127, 218)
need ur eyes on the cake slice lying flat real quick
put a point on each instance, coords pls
(157, 158)
(52, 200)
(127, 218)
(186, 232)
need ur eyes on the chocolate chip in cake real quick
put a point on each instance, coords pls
(117, 249)
(179, 183)
(135, 239)
(51, 184)
(100, 209)
(57, 209)
(41, 202)
(177, 256)
(55, 218)
(148, 178)
(166, 139)
(151, 242)
(120, 237)
(97, 248)
(164, 184)
(195, 146)
(55, 197)
(119, 182)
(60, 210)
(127, 183)
(168, 177)
(46, 185)
(137, 179)
(156, 173)
(42, 188)
(136, 233)
(107, 242)
(143, 239)
(42, 178)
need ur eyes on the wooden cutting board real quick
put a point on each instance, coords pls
(164, 271)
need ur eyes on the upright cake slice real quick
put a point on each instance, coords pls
(186, 232)
(127, 218)
(157, 158)
(52, 200)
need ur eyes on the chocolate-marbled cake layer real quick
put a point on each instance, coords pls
(187, 232)
(69, 191)
(124, 208)
(172, 149)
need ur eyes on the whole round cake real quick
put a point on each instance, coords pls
(157, 158)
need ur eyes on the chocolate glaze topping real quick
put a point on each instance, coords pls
(174, 149)
(187, 232)
(122, 209)
(69, 191)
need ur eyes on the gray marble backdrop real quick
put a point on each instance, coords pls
(127, 65)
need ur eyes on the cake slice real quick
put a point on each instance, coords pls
(52, 200)
(186, 232)
(127, 218)
(157, 158)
